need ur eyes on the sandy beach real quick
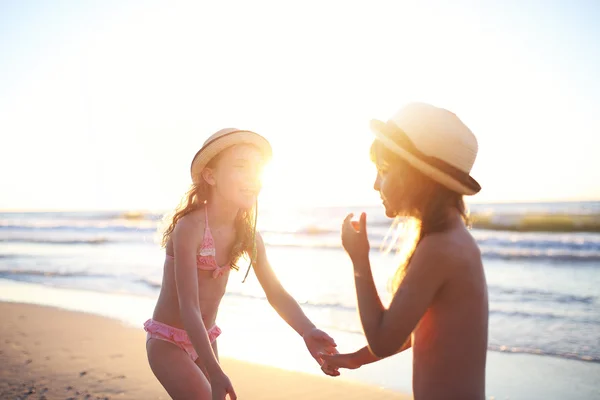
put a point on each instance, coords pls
(50, 353)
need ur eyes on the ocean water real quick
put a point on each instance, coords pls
(544, 287)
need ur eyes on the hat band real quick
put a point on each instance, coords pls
(399, 137)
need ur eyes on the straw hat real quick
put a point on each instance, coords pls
(220, 141)
(434, 141)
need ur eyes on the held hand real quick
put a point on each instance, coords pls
(354, 237)
(318, 343)
(221, 386)
(337, 361)
(326, 368)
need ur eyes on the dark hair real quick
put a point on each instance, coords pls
(417, 198)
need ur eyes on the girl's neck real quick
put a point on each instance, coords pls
(221, 214)
(443, 220)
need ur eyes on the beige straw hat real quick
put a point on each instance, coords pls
(220, 141)
(434, 141)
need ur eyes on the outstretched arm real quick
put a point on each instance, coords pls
(285, 305)
(364, 355)
(288, 308)
(356, 359)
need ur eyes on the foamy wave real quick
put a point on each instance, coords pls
(516, 252)
(540, 255)
(57, 241)
(537, 222)
(71, 226)
(528, 294)
(545, 316)
(150, 283)
(50, 274)
(539, 352)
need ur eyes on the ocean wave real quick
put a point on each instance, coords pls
(516, 294)
(328, 305)
(52, 226)
(10, 256)
(149, 283)
(549, 241)
(527, 294)
(58, 241)
(346, 319)
(582, 217)
(84, 215)
(541, 255)
(545, 316)
(539, 352)
(502, 252)
(139, 215)
(51, 274)
(537, 222)
(515, 253)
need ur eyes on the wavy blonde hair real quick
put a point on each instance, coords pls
(197, 197)
(421, 205)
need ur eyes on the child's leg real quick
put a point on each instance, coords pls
(176, 371)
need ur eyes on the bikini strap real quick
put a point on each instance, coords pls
(207, 233)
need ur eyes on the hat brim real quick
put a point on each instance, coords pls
(217, 145)
(466, 186)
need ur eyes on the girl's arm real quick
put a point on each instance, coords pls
(185, 237)
(278, 297)
(356, 359)
(317, 342)
(387, 330)
(215, 349)
(364, 355)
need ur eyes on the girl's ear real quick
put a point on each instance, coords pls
(209, 176)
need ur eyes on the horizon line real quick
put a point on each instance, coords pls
(295, 206)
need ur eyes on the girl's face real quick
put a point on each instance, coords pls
(383, 185)
(236, 175)
(391, 182)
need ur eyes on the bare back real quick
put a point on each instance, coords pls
(450, 341)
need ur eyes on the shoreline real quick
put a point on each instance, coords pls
(52, 353)
(508, 375)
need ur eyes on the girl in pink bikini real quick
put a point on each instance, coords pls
(215, 225)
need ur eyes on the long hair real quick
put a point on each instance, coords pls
(417, 200)
(197, 197)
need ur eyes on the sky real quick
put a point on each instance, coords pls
(103, 104)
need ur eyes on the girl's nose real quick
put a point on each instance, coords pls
(377, 183)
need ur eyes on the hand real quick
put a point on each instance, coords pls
(319, 343)
(221, 386)
(354, 237)
(326, 368)
(337, 361)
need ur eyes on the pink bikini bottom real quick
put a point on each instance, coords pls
(179, 337)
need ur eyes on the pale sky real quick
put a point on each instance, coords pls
(103, 104)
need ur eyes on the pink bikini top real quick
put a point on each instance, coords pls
(206, 259)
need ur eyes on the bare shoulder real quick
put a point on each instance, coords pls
(190, 227)
(455, 247)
